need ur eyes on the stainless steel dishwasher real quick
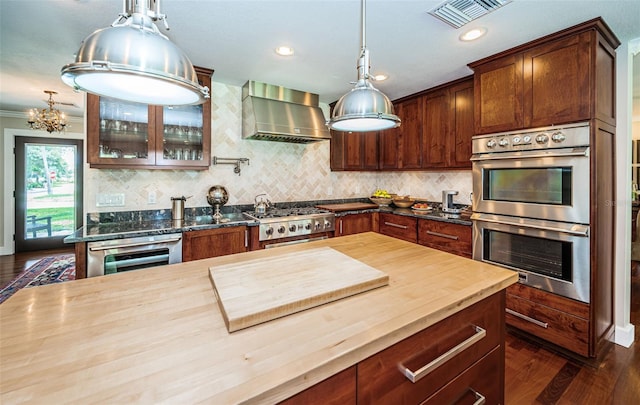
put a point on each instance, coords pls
(118, 255)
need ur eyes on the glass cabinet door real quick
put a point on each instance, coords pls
(182, 135)
(123, 129)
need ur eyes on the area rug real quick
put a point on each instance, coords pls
(54, 269)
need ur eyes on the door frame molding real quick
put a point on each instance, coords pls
(10, 134)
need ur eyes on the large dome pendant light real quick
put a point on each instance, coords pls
(131, 60)
(364, 108)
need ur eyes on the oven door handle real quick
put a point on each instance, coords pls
(582, 151)
(578, 230)
(134, 244)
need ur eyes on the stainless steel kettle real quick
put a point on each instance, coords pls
(261, 206)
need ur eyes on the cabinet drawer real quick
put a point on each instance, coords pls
(399, 226)
(553, 325)
(381, 381)
(452, 238)
(339, 389)
(482, 380)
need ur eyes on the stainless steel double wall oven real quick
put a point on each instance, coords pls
(531, 206)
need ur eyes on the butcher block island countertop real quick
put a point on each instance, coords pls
(157, 335)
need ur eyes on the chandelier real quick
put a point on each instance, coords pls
(48, 119)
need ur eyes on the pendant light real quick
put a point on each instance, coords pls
(364, 108)
(131, 60)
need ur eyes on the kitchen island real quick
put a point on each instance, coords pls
(157, 335)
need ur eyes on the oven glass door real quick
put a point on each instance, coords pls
(548, 255)
(119, 262)
(550, 185)
(534, 185)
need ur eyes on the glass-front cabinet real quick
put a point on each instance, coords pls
(131, 135)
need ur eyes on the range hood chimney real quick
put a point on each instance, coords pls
(275, 113)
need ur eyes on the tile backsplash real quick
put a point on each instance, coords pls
(286, 172)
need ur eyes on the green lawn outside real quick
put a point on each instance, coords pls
(61, 218)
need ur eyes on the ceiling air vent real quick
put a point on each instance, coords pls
(460, 12)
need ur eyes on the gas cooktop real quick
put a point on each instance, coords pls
(280, 223)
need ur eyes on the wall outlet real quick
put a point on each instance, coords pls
(330, 190)
(151, 198)
(109, 200)
(357, 189)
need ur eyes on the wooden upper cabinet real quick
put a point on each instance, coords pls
(462, 125)
(436, 127)
(389, 144)
(401, 148)
(132, 135)
(561, 78)
(410, 135)
(556, 82)
(354, 150)
(498, 95)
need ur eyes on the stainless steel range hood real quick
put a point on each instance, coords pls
(275, 113)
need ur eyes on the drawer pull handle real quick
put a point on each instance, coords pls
(527, 318)
(480, 399)
(415, 376)
(396, 225)
(442, 235)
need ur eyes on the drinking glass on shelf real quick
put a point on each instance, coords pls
(178, 154)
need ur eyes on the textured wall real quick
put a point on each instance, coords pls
(287, 172)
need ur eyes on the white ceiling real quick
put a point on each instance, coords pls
(237, 39)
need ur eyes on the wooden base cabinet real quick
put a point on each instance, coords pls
(450, 237)
(339, 389)
(399, 226)
(458, 358)
(214, 242)
(446, 349)
(354, 223)
(561, 321)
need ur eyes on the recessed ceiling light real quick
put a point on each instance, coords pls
(380, 77)
(473, 34)
(284, 51)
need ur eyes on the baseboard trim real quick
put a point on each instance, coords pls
(624, 335)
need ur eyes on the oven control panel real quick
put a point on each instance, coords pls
(287, 227)
(566, 136)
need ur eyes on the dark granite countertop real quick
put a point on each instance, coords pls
(131, 229)
(122, 225)
(435, 214)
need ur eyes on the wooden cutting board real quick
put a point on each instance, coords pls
(261, 290)
(347, 206)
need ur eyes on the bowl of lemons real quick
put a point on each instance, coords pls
(381, 197)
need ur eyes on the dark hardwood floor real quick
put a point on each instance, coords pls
(534, 374)
(12, 265)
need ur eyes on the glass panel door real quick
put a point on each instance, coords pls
(48, 192)
(124, 132)
(182, 135)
